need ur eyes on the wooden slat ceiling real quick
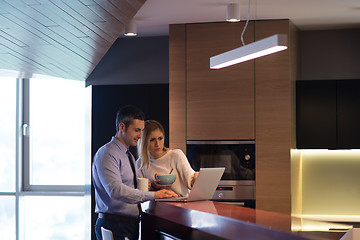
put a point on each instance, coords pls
(60, 38)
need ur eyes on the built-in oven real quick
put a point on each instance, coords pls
(237, 184)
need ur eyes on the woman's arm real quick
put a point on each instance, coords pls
(186, 169)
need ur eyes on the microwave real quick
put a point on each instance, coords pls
(237, 157)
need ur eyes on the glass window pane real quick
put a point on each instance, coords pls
(57, 131)
(7, 217)
(55, 218)
(7, 134)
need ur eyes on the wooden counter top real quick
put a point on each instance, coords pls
(214, 220)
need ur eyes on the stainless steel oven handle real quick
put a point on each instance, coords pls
(235, 203)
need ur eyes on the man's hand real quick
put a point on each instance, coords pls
(165, 194)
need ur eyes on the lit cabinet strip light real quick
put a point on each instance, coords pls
(266, 46)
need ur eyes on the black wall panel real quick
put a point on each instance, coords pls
(153, 99)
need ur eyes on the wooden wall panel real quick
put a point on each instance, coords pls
(275, 89)
(220, 103)
(65, 39)
(177, 86)
(213, 99)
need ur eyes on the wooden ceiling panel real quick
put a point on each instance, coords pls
(101, 44)
(70, 41)
(60, 38)
(119, 14)
(84, 12)
(29, 9)
(9, 37)
(49, 54)
(88, 2)
(111, 28)
(136, 3)
(3, 50)
(64, 20)
(75, 64)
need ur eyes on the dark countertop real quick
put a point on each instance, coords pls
(214, 220)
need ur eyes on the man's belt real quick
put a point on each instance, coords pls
(120, 218)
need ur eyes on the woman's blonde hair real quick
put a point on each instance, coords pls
(143, 152)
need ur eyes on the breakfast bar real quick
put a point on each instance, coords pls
(215, 220)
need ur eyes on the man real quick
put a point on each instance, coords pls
(117, 200)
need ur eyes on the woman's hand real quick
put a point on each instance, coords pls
(164, 193)
(194, 178)
(149, 185)
(155, 184)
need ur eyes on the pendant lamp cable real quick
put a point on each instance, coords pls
(247, 21)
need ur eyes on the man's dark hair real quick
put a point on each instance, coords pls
(127, 114)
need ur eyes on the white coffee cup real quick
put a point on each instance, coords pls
(143, 184)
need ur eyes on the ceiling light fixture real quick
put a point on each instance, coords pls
(233, 12)
(266, 46)
(130, 29)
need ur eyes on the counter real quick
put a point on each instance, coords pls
(215, 220)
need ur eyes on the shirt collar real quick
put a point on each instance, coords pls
(119, 144)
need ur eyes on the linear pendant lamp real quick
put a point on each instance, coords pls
(266, 46)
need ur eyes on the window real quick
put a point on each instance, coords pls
(7, 134)
(7, 157)
(45, 135)
(7, 217)
(56, 133)
(60, 218)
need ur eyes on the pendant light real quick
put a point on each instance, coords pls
(266, 46)
(130, 29)
(233, 12)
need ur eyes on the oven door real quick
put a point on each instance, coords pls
(238, 159)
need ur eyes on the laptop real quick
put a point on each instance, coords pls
(203, 188)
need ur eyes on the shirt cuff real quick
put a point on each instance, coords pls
(149, 195)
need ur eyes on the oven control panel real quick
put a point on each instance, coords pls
(234, 193)
(225, 188)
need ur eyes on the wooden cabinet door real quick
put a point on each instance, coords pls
(328, 114)
(220, 103)
(316, 114)
(348, 114)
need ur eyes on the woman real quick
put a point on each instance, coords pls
(155, 159)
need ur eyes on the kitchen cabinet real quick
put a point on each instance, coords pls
(220, 102)
(316, 114)
(177, 86)
(251, 100)
(328, 114)
(348, 114)
(275, 117)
